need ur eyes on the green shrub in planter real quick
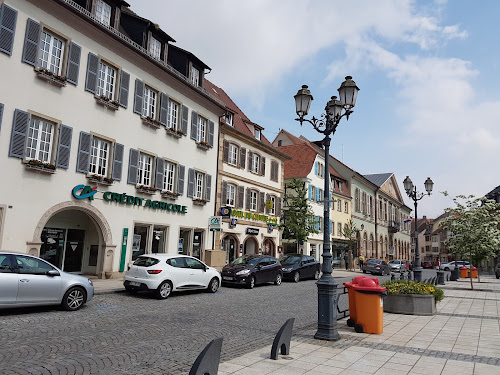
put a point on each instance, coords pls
(412, 287)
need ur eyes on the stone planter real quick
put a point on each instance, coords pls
(107, 103)
(199, 202)
(174, 133)
(43, 75)
(99, 182)
(151, 123)
(169, 195)
(145, 191)
(410, 304)
(204, 146)
(39, 168)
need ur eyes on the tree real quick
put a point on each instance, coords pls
(473, 227)
(298, 218)
(349, 232)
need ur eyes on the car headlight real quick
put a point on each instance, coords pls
(90, 282)
(243, 272)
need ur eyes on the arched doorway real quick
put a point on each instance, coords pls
(251, 246)
(268, 247)
(231, 246)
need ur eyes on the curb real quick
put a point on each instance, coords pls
(108, 291)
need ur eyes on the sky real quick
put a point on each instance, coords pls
(428, 73)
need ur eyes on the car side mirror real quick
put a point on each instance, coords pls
(52, 273)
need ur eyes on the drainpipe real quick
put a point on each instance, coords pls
(376, 221)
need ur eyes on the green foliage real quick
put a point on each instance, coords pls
(412, 287)
(349, 232)
(298, 218)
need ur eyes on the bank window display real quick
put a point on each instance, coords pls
(63, 248)
(144, 170)
(158, 242)
(40, 136)
(99, 156)
(139, 241)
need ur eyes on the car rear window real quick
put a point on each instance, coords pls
(145, 261)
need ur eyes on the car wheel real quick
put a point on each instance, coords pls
(251, 283)
(316, 275)
(73, 299)
(164, 290)
(296, 277)
(498, 276)
(213, 286)
(278, 279)
(364, 271)
(130, 290)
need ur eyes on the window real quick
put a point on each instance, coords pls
(229, 118)
(363, 203)
(274, 170)
(339, 205)
(280, 143)
(231, 195)
(272, 211)
(173, 114)
(255, 163)
(340, 186)
(339, 229)
(51, 53)
(356, 200)
(233, 154)
(29, 265)
(257, 133)
(149, 102)
(145, 169)
(40, 137)
(155, 48)
(346, 207)
(202, 126)
(103, 12)
(99, 154)
(194, 76)
(253, 200)
(107, 80)
(169, 177)
(198, 179)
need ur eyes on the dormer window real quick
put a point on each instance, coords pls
(256, 133)
(229, 118)
(103, 12)
(155, 48)
(194, 76)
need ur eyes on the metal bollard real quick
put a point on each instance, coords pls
(207, 362)
(282, 339)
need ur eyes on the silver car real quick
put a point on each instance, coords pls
(397, 266)
(26, 280)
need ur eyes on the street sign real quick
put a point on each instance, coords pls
(214, 223)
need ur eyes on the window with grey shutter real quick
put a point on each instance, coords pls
(31, 39)
(180, 179)
(211, 130)
(64, 146)
(225, 152)
(268, 198)
(224, 193)
(8, 19)
(250, 155)
(184, 120)
(133, 166)
(124, 85)
(277, 212)
(262, 202)
(194, 125)
(160, 172)
(247, 202)
(241, 196)
(73, 67)
(274, 170)
(20, 126)
(1, 114)
(163, 108)
(116, 173)
(262, 165)
(208, 187)
(91, 78)
(139, 93)
(83, 157)
(243, 157)
(190, 188)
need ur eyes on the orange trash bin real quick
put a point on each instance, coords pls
(369, 306)
(473, 272)
(352, 301)
(464, 272)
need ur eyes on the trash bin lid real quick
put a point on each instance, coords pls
(354, 281)
(369, 284)
(473, 268)
(463, 268)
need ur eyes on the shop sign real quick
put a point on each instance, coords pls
(214, 223)
(270, 228)
(232, 223)
(269, 205)
(86, 192)
(225, 212)
(253, 231)
(255, 216)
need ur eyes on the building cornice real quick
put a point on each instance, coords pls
(249, 181)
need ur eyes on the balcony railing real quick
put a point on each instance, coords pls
(393, 226)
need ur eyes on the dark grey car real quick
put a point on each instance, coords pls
(376, 266)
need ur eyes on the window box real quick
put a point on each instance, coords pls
(40, 166)
(150, 190)
(48, 76)
(107, 102)
(199, 201)
(170, 195)
(155, 124)
(175, 133)
(100, 180)
(203, 145)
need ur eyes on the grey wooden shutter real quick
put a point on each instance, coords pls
(184, 120)
(1, 114)
(64, 146)
(31, 39)
(262, 203)
(20, 125)
(225, 152)
(91, 78)
(133, 166)
(83, 157)
(250, 154)
(247, 203)
(190, 188)
(241, 196)
(194, 125)
(268, 198)
(208, 187)
(124, 85)
(116, 173)
(224, 193)
(73, 68)
(262, 165)
(138, 96)
(180, 179)
(160, 172)
(163, 108)
(243, 156)
(8, 19)
(278, 206)
(211, 130)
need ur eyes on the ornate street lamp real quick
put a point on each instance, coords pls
(326, 125)
(411, 191)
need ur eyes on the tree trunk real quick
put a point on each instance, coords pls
(470, 272)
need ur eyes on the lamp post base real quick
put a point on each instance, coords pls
(327, 309)
(417, 273)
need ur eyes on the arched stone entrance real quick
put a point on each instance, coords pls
(231, 246)
(98, 253)
(250, 246)
(268, 247)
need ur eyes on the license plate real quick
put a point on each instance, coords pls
(227, 278)
(135, 283)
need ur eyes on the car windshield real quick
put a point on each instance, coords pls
(247, 260)
(145, 261)
(290, 259)
(395, 261)
(373, 261)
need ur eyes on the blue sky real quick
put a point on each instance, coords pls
(428, 71)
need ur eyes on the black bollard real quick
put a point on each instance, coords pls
(207, 362)
(282, 339)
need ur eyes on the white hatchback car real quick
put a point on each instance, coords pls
(450, 266)
(166, 273)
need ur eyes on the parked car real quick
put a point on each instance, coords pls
(427, 264)
(163, 274)
(298, 266)
(26, 280)
(250, 270)
(450, 266)
(397, 266)
(377, 266)
(497, 271)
